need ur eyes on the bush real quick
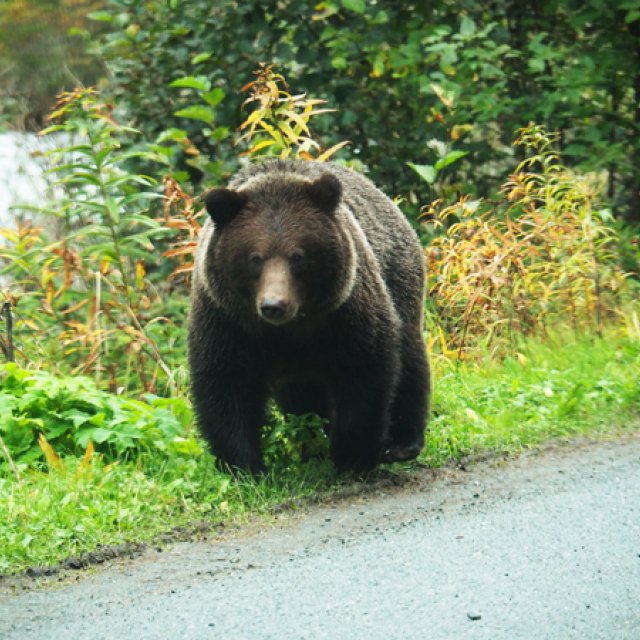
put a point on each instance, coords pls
(41, 413)
(408, 79)
(542, 257)
(94, 300)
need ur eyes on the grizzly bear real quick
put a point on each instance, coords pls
(308, 288)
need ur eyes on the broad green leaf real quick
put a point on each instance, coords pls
(196, 112)
(179, 31)
(426, 171)
(100, 16)
(213, 97)
(537, 65)
(190, 82)
(450, 158)
(201, 57)
(357, 6)
(467, 26)
(632, 16)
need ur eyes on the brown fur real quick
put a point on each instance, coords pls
(309, 288)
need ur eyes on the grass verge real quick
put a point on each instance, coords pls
(552, 389)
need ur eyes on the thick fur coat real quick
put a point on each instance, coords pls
(308, 288)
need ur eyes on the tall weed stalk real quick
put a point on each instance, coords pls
(541, 257)
(84, 300)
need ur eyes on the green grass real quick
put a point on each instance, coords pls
(49, 517)
(559, 388)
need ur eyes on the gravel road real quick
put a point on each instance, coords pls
(546, 546)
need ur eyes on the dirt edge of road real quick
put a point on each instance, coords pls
(413, 479)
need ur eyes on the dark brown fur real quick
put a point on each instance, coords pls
(342, 337)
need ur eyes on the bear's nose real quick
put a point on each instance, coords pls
(273, 309)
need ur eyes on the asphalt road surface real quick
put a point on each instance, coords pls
(546, 546)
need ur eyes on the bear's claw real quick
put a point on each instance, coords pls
(399, 453)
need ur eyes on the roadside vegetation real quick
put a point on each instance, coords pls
(532, 317)
(64, 505)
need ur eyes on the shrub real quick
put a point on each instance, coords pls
(41, 413)
(540, 257)
(85, 302)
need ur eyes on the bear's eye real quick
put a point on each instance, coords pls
(255, 259)
(255, 262)
(297, 258)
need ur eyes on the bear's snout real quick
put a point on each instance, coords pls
(273, 310)
(276, 303)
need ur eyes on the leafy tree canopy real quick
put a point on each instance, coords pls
(412, 81)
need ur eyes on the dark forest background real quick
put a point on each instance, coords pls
(426, 83)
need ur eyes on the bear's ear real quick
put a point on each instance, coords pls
(325, 193)
(223, 205)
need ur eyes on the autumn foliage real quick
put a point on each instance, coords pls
(542, 257)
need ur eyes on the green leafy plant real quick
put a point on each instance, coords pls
(178, 149)
(429, 172)
(463, 75)
(289, 441)
(67, 414)
(84, 294)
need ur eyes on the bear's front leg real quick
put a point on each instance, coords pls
(364, 374)
(227, 390)
(230, 411)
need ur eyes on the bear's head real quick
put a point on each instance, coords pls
(280, 251)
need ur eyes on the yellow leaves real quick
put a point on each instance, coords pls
(325, 155)
(459, 130)
(535, 259)
(49, 293)
(300, 121)
(56, 463)
(446, 97)
(140, 274)
(52, 458)
(253, 119)
(278, 125)
(87, 458)
(261, 145)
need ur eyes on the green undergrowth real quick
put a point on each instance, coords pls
(553, 389)
(77, 490)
